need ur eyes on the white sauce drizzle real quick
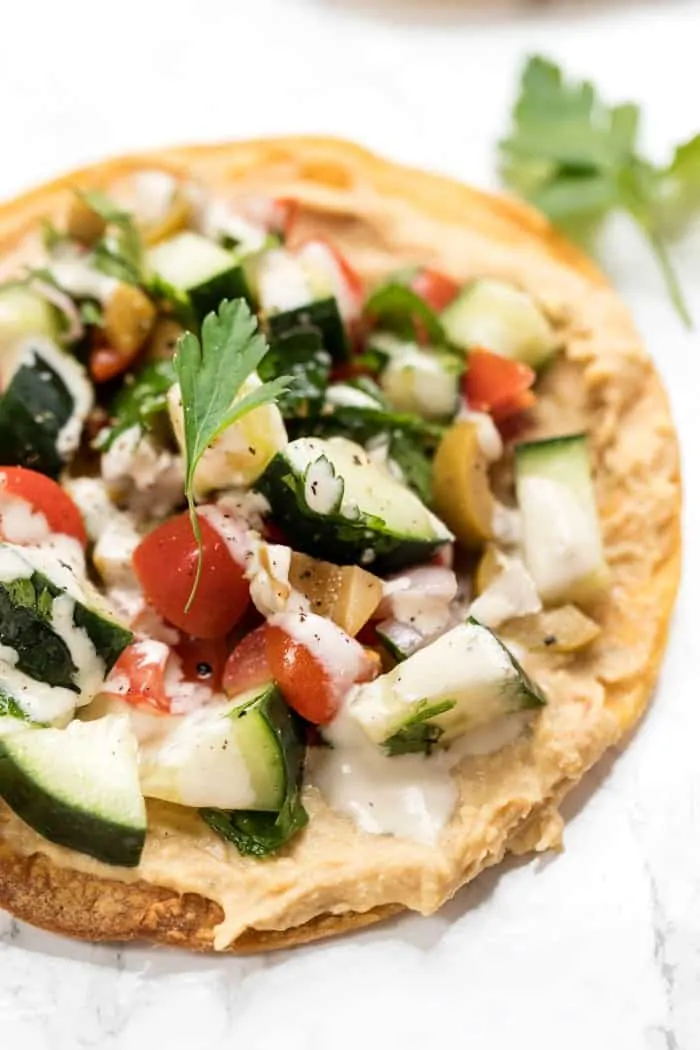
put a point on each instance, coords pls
(512, 593)
(420, 598)
(154, 196)
(282, 283)
(343, 659)
(90, 667)
(490, 441)
(410, 796)
(19, 522)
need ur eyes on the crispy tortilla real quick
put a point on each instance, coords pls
(193, 890)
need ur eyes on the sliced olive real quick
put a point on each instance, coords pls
(83, 223)
(461, 491)
(346, 594)
(562, 630)
(128, 318)
(489, 567)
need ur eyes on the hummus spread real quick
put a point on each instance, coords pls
(334, 875)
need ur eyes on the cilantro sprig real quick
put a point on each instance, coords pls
(211, 372)
(577, 159)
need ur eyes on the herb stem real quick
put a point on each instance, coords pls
(663, 258)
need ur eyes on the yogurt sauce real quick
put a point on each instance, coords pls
(410, 796)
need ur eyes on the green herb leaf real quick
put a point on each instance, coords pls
(211, 374)
(399, 309)
(259, 834)
(299, 353)
(52, 237)
(577, 159)
(418, 734)
(9, 708)
(119, 253)
(91, 313)
(142, 398)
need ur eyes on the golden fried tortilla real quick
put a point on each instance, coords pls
(194, 890)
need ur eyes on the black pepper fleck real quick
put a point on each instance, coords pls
(549, 639)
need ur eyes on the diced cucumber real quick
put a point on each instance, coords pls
(425, 382)
(463, 680)
(43, 408)
(56, 636)
(337, 504)
(561, 531)
(495, 315)
(237, 755)
(204, 271)
(78, 787)
(322, 314)
(24, 314)
(399, 639)
(290, 299)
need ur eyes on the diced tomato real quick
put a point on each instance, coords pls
(285, 215)
(248, 667)
(166, 565)
(44, 496)
(203, 659)
(105, 362)
(435, 288)
(138, 676)
(497, 385)
(306, 684)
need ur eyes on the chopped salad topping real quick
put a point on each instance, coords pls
(283, 481)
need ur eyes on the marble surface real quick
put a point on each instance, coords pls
(597, 947)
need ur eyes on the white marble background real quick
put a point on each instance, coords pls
(597, 948)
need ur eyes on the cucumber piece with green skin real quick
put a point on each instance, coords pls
(201, 270)
(322, 314)
(78, 787)
(562, 541)
(459, 682)
(27, 626)
(422, 381)
(243, 754)
(399, 639)
(498, 316)
(339, 505)
(24, 314)
(43, 408)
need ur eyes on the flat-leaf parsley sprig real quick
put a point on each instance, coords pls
(577, 159)
(211, 372)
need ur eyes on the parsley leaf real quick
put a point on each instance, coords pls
(211, 374)
(577, 159)
(259, 834)
(397, 308)
(418, 734)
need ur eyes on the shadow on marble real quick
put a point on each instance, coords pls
(431, 12)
